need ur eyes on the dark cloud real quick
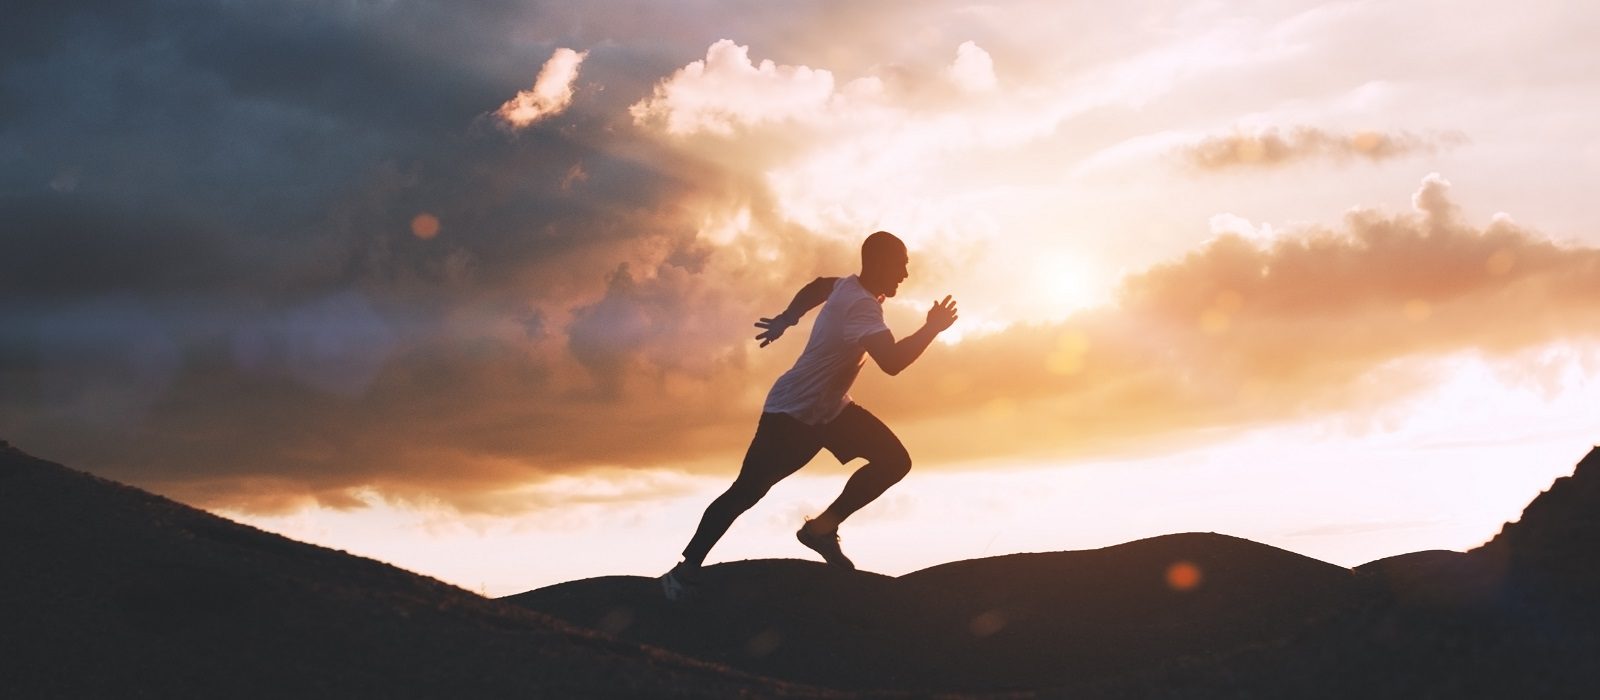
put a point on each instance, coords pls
(62, 246)
(283, 151)
(213, 285)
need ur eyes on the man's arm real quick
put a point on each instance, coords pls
(893, 356)
(806, 299)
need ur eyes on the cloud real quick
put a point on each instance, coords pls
(1267, 148)
(646, 321)
(233, 305)
(656, 371)
(550, 95)
(726, 90)
(973, 69)
(1359, 528)
(1241, 332)
(839, 157)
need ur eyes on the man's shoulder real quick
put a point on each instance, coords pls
(848, 296)
(849, 288)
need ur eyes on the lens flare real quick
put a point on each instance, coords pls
(1501, 262)
(764, 643)
(1418, 310)
(425, 226)
(1183, 576)
(988, 623)
(1067, 358)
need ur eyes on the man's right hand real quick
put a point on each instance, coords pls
(942, 315)
(773, 328)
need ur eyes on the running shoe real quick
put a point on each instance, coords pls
(680, 584)
(826, 544)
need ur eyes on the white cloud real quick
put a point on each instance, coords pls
(1230, 223)
(550, 95)
(726, 89)
(973, 69)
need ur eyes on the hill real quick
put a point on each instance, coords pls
(1014, 622)
(1516, 617)
(1189, 615)
(110, 591)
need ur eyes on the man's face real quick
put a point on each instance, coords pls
(896, 269)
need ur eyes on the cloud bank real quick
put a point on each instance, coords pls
(307, 289)
(1242, 332)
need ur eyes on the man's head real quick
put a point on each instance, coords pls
(883, 263)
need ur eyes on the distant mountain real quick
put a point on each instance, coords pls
(108, 591)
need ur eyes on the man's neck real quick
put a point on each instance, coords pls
(872, 286)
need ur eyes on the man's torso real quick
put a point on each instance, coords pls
(817, 388)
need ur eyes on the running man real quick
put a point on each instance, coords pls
(809, 409)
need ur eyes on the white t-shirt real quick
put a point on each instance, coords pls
(814, 390)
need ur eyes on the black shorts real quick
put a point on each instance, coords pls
(783, 444)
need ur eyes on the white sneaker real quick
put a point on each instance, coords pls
(679, 584)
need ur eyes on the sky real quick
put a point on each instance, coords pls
(469, 287)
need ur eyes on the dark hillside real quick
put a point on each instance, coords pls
(110, 591)
(1517, 617)
(1002, 623)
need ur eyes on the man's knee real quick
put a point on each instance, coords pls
(895, 463)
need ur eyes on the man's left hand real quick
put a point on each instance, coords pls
(773, 328)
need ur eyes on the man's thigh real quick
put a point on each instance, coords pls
(782, 446)
(858, 433)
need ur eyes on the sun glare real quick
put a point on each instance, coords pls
(1063, 285)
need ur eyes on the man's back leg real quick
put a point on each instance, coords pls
(782, 445)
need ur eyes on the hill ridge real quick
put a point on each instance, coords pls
(107, 583)
(111, 588)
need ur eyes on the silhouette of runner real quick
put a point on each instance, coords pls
(808, 408)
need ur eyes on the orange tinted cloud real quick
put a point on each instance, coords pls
(658, 370)
(550, 95)
(651, 370)
(1268, 148)
(655, 369)
(1242, 332)
(583, 297)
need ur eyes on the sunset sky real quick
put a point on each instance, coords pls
(469, 287)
